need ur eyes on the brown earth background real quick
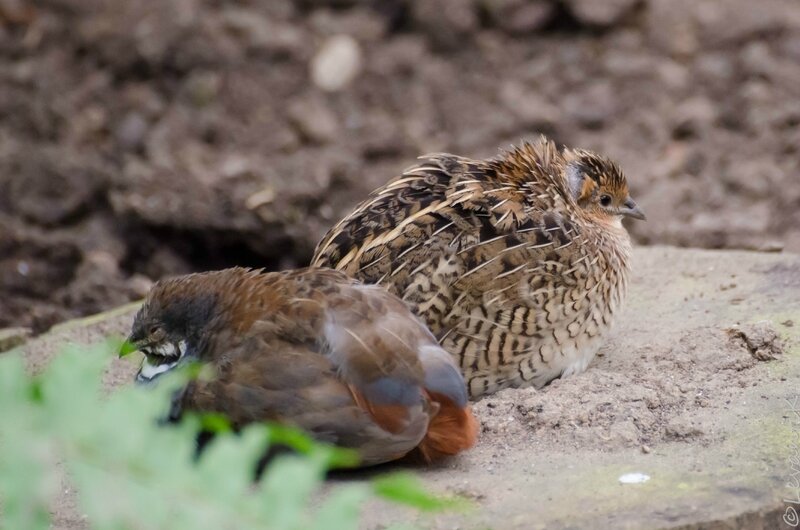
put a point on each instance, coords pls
(141, 139)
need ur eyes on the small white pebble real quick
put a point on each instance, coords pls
(633, 478)
(337, 63)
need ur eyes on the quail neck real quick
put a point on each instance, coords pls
(518, 263)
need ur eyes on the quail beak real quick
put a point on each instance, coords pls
(631, 209)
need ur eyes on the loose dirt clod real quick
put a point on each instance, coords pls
(760, 339)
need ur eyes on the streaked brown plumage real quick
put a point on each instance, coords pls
(346, 362)
(518, 264)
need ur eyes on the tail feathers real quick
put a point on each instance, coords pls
(452, 430)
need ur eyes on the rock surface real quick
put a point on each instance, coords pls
(672, 396)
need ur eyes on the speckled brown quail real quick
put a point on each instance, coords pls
(518, 263)
(346, 362)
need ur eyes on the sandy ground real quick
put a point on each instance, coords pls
(691, 390)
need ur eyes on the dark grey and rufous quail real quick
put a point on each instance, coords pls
(518, 264)
(346, 362)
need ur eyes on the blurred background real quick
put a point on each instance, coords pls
(145, 138)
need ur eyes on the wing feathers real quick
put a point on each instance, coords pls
(397, 372)
(441, 375)
(393, 418)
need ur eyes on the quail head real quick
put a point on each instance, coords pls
(518, 263)
(347, 363)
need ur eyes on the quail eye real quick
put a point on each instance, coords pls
(155, 333)
(605, 201)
